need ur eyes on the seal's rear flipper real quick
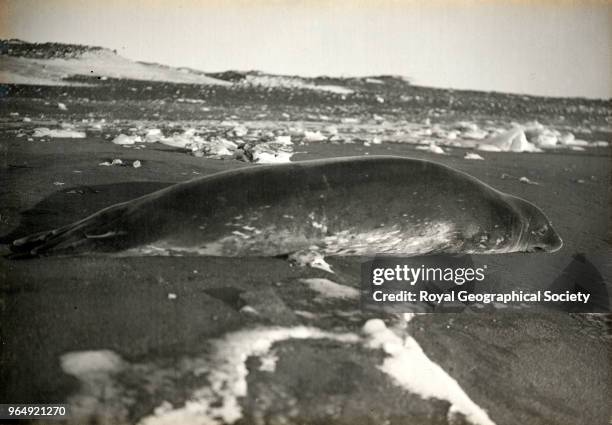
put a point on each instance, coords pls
(101, 230)
(27, 243)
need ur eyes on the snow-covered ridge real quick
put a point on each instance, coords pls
(52, 63)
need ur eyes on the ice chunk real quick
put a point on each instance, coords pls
(153, 135)
(314, 136)
(433, 148)
(124, 139)
(472, 155)
(283, 140)
(513, 140)
(488, 148)
(271, 157)
(575, 142)
(541, 135)
(240, 131)
(332, 129)
(527, 181)
(466, 126)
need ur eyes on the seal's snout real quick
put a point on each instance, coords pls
(537, 234)
(553, 242)
(548, 242)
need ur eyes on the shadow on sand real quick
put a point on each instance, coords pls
(74, 203)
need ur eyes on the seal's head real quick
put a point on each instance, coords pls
(537, 233)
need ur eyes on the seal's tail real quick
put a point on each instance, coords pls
(92, 233)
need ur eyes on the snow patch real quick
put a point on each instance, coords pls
(81, 363)
(227, 373)
(99, 396)
(410, 368)
(102, 396)
(328, 289)
(292, 83)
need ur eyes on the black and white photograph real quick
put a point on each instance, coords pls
(309, 212)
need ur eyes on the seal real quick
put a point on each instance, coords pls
(341, 206)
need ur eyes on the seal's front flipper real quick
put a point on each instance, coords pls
(311, 258)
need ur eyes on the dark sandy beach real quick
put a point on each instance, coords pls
(520, 367)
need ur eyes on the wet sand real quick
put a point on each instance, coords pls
(520, 367)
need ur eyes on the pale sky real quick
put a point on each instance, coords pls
(545, 47)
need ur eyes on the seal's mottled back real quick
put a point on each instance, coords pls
(343, 206)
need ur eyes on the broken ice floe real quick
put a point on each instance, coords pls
(231, 138)
(263, 150)
(67, 133)
(275, 151)
(528, 137)
(513, 140)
